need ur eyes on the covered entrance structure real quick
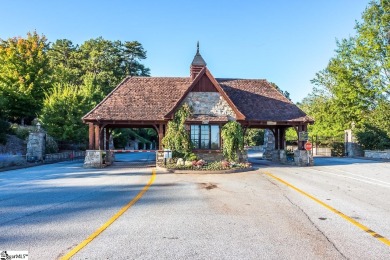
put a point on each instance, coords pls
(141, 102)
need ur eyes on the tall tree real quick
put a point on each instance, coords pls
(102, 59)
(356, 81)
(24, 75)
(65, 61)
(133, 53)
(64, 106)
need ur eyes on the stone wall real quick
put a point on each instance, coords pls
(209, 103)
(210, 156)
(377, 154)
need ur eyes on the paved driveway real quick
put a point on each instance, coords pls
(49, 209)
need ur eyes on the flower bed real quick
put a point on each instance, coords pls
(202, 165)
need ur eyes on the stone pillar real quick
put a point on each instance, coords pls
(352, 148)
(36, 146)
(301, 158)
(269, 144)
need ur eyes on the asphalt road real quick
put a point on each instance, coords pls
(49, 209)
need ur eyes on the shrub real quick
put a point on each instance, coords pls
(372, 138)
(21, 132)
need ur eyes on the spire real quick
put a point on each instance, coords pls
(197, 63)
(198, 60)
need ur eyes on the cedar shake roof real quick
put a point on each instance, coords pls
(140, 99)
(258, 100)
(152, 98)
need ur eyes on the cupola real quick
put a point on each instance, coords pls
(197, 64)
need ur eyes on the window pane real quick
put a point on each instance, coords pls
(204, 136)
(195, 136)
(215, 137)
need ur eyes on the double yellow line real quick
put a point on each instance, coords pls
(349, 219)
(111, 220)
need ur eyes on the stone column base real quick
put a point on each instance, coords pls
(301, 158)
(98, 158)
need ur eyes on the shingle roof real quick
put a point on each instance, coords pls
(152, 98)
(258, 100)
(140, 98)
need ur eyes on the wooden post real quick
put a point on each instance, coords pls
(160, 136)
(101, 140)
(97, 137)
(91, 137)
(276, 135)
(283, 138)
(107, 139)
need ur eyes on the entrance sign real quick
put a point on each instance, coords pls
(303, 136)
(308, 146)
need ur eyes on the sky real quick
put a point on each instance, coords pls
(284, 41)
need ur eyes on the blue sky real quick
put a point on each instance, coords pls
(283, 41)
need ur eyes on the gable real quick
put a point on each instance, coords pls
(205, 81)
(204, 85)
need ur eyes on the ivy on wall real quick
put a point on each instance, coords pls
(177, 137)
(233, 140)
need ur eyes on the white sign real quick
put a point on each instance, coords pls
(167, 154)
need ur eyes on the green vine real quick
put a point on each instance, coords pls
(177, 137)
(233, 140)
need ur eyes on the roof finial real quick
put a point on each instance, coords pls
(197, 47)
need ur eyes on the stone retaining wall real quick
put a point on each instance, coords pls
(377, 154)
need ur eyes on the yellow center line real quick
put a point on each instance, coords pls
(351, 220)
(111, 220)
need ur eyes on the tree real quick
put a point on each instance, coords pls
(254, 137)
(62, 111)
(356, 84)
(133, 53)
(65, 62)
(285, 93)
(24, 75)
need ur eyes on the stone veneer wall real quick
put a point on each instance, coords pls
(377, 154)
(209, 103)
